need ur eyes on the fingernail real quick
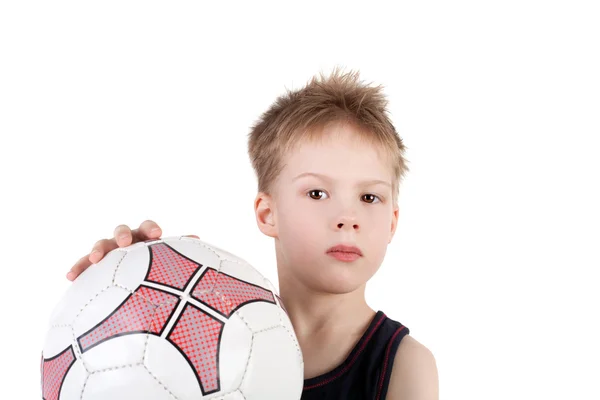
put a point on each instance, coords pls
(122, 237)
(154, 231)
(70, 275)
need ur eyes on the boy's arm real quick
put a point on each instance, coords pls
(414, 373)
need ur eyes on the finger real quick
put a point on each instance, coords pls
(147, 230)
(197, 237)
(123, 236)
(102, 247)
(78, 268)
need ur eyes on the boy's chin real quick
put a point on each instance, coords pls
(335, 282)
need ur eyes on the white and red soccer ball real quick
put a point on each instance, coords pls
(174, 318)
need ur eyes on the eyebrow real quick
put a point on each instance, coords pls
(328, 179)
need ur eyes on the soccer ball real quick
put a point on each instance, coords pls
(173, 318)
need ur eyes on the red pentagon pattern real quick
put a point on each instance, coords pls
(228, 293)
(169, 267)
(197, 334)
(134, 315)
(54, 371)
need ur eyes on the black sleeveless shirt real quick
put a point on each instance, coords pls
(365, 373)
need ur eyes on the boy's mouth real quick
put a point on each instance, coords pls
(345, 248)
(343, 256)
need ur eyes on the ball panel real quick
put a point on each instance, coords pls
(54, 370)
(57, 340)
(269, 286)
(286, 322)
(195, 250)
(196, 335)
(234, 353)
(169, 267)
(275, 369)
(74, 382)
(101, 307)
(116, 352)
(125, 384)
(237, 395)
(165, 362)
(87, 286)
(133, 268)
(243, 271)
(229, 292)
(221, 253)
(181, 364)
(260, 315)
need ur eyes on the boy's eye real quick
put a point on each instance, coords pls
(371, 197)
(315, 191)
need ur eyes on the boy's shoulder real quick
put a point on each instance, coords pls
(414, 372)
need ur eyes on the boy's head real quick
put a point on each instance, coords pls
(338, 128)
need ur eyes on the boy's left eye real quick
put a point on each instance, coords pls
(372, 196)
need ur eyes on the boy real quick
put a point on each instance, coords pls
(329, 163)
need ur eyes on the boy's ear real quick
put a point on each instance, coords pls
(394, 223)
(265, 216)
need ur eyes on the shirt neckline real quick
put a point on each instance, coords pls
(358, 348)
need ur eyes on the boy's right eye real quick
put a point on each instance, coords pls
(314, 191)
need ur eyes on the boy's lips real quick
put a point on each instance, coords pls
(344, 248)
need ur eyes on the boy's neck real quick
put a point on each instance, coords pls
(327, 326)
(315, 314)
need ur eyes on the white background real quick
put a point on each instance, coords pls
(114, 112)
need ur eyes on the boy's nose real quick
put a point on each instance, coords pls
(342, 224)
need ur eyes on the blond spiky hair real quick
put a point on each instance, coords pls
(297, 116)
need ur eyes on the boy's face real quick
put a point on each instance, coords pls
(308, 215)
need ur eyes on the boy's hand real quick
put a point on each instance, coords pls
(123, 238)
